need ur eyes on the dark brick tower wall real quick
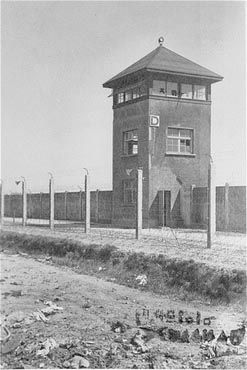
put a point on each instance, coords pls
(176, 173)
(129, 117)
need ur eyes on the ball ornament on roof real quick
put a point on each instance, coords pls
(161, 40)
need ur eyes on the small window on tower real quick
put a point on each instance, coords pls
(130, 142)
(120, 98)
(186, 91)
(172, 89)
(159, 87)
(136, 93)
(199, 92)
(128, 95)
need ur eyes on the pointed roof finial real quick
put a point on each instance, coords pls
(161, 40)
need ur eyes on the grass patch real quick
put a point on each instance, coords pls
(185, 277)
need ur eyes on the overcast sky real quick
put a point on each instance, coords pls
(56, 116)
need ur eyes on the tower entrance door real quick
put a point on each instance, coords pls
(164, 207)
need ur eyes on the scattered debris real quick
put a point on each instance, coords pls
(39, 316)
(142, 280)
(77, 362)
(51, 309)
(118, 327)
(219, 348)
(46, 347)
(138, 341)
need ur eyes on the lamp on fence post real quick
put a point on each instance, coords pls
(139, 203)
(51, 205)
(24, 200)
(87, 202)
(2, 203)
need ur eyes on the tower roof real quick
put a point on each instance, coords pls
(164, 60)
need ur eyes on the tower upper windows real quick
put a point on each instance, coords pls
(162, 88)
(129, 94)
(173, 89)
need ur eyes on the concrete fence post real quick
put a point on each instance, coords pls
(192, 187)
(87, 204)
(211, 206)
(80, 208)
(226, 206)
(40, 206)
(2, 204)
(51, 204)
(65, 205)
(97, 206)
(139, 204)
(24, 203)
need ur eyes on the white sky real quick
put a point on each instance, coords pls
(57, 117)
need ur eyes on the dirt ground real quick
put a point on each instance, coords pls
(84, 326)
(228, 249)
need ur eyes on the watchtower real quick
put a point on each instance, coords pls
(162, 123)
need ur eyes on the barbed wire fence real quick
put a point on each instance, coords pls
(72, 210)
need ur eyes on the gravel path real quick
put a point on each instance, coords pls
(228, 249)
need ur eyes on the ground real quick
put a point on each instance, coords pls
(90, 307)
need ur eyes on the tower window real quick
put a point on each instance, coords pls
(172, 88)
(120, 98)
(130, 142)
(128, 95)
(199, 92)
(186, 91)
(129, 191)
(136, 93)
(159, 87)
(179, 140)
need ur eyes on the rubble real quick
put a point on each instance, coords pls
(39, 316)
(46, 347)
(118, 327)
(77, 362)
(142, 280)
(138, 341)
